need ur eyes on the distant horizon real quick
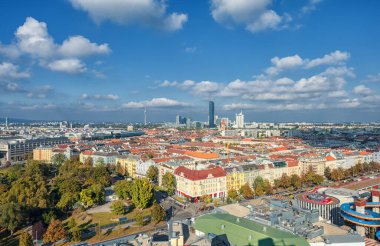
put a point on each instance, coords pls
(283, 61)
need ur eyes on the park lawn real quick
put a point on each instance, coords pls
(105, 218)
(125, 231)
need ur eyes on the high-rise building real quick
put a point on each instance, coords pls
(240, 120)
(211, 122)
(178, 120)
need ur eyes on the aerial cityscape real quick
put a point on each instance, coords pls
(173, 122)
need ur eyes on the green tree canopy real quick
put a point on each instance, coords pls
(25, 239)
(142, 193)
(152, 173)
(123, 189)
(10, 216)
(158, 213)
(169, 182)
(118, 208)
(58, 159)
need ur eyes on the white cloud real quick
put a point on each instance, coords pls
(33, 38)
(155, 103)
(79, 46)
(284, 81)
(239, 106)
(41, 92)
(144, 12)
(167, 83)
(191, 49)
(205, 88)
(335, 57)
(71, 66)
(186, 84)
(254, 15)
(373, 78)
(11, 87)
(336, 94)
(111, 97)
(310, 6)
(285, 63)
(339, 71)
(11, 71)
(267, 20)
(362, 90)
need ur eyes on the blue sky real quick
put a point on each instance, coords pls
(277, 60)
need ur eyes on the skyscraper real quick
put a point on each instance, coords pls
(240, 120)
(211, 122)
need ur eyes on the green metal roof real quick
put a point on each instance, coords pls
(239, 230)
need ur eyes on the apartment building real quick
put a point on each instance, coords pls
(193, 184)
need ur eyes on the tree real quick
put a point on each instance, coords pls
(152, 173)
(232, 194)
(140, 220)
(71, 223)
(123, 189)
(25, 239)
(76, 234)
(10, 216)
(295, 181)
(327, 173)
(259, 190)
(55, 232)
(206, 199)
(47, 217)
(58, 159)
(92, 195)
(118, 208)
(246, 191)
(142, 193)
(285, 181)
(168, 181)
(100, 162)
(88, 162)
(158, 213)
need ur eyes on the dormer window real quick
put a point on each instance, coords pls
(210, 176)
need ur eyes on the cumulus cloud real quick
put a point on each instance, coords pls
(310, 6)
(79, 46)
(280, 64)
(205, 88)
(362, 90)
(41, 92)
(373, 78)
(155, 103)
(144, 12)
(9, 71)
(335, 57)
(71, 66)
(167, 83)
(11, 87)
(34, 40)
(111, 97)
(254, 15)
(292, 62)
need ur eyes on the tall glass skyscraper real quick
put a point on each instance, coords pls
(211, 114)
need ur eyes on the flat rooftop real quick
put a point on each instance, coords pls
(242, 231)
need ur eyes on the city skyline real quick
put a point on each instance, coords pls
(277, 61)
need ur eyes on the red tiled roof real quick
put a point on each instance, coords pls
(216, 172)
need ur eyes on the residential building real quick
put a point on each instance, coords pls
(193, 183)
